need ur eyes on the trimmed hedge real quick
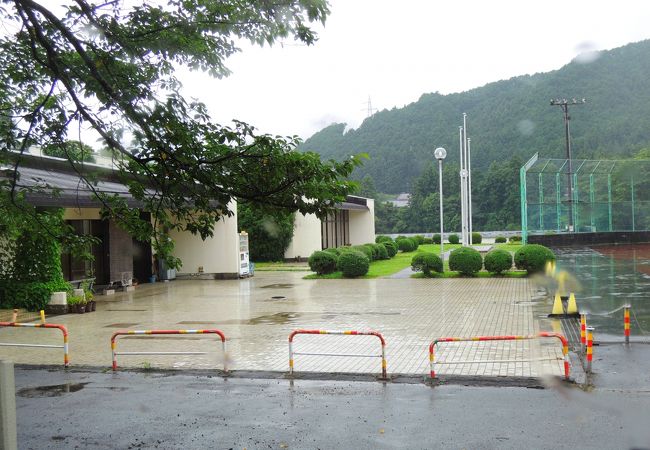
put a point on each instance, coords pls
(515, 238)
(453, 239)
(381, 251)
(380, 239)
(436, 239)
(419, 239)
(465, 260)
(498, 261)
(353, 264)
(322, 262)
(500, 240)
(373, 249)
(476, 238)
(333, 251)
(533, 257)
(363, 249)
(428, 241)
(407, 245)
(391, 248)
(426, 262)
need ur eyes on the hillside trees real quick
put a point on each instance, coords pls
(110, 67)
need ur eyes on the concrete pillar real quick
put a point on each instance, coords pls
(8, 438)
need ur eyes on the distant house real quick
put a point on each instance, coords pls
(352, 223)
(401, 201)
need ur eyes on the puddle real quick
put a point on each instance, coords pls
(275, 319)
(278, 297)
(277, 286)
(50, 391)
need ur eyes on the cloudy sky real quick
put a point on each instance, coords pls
(394, 51)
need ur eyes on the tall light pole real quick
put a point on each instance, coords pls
(564, 104)
(440, 154)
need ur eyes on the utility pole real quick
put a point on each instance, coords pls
(564, 105)
(370, 110)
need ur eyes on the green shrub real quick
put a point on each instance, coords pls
(477, 238)
(500, 240)
(391, 248)
(498, 261)
(453, 239)
(515, 238)
(428, 241)
(407, 245)
(436, 239)
(426, 262)
(353, 264)
(322, 262)
(380, 239)
(533, 257)
(333, 251)
(419, 239)
(363, 249)
(465, 260)
(383, 253)
(269, 234)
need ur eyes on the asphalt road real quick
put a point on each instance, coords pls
(92, 409)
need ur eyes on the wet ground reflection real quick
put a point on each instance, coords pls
(610, 277)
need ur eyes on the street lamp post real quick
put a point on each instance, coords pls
(440, 154)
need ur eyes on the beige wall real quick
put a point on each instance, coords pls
(217, 255)
(306, 237)
(81, 214)
(362, 224)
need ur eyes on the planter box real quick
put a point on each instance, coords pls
(58, 303)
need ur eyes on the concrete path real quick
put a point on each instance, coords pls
(257, 315)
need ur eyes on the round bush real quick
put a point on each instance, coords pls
(465, 260)
(407, 245)
(428, 241)
(363, 249)
(533, 257)
(436, 239)
(419, 239)
(391, 248)
(322, 262)
(500, 240)
(353, 264)
(333, 251)
(427, 263)
(515, 238)
(453, 239)
(381, 251)
(380, 239)
(498, 261)
(373, 249)
(477, 238)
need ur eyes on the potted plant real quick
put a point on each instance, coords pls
(77, 302)
(91, 304)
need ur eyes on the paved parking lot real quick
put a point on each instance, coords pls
(257, 315)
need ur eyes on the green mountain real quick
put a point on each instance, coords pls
(505, 119)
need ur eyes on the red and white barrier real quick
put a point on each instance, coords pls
(565, 348)
(350, 333)
(155, 332)
(64, 330)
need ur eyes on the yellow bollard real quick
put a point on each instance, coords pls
(42, 316)
(572, 307)
(14, 316)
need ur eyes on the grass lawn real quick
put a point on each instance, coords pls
(281, 267)
(509, 247)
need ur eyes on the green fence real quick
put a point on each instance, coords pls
(582, 196)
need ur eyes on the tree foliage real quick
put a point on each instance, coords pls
(110, 67)
(269, 231)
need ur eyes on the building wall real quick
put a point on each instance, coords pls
(306, 237)
(81, 214)
(218, 255)
(362, 224)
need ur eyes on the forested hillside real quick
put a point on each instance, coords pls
(511, 118)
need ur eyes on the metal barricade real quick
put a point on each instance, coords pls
(350, 333)
(543, 334)
(161, 332)
(64, 330)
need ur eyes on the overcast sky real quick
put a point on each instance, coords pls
(394, 51)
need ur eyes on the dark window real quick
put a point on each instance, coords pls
(335, 229)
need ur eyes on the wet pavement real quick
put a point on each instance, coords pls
(89, 409)
(257, 315)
